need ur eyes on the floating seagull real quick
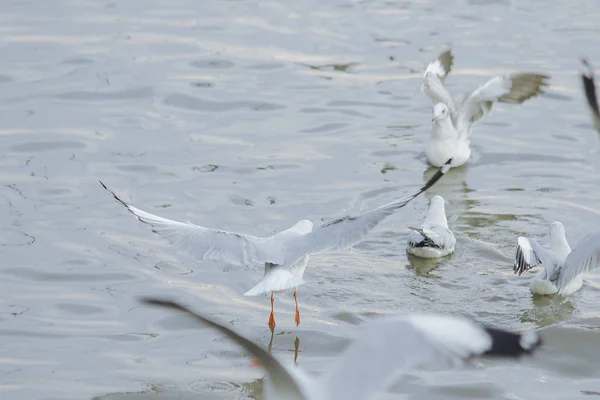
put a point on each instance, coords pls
(454, 117)
(285, 254)
(562, 268)
(434, 239)
(387, 346)
(590, 93)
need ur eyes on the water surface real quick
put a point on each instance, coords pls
(249, 116)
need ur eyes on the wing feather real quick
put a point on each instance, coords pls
(514, 89)
(389, 345)
(344, 232)
(432, 84)
(206, 243)
(584, 258)
(589, 87)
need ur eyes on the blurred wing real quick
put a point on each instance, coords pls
(585, 257)
(530, 254)
(212, 244)
(279, 376)
(589, 87)
(514, 89)
(432, 85)
(392, 344)
(344, 232)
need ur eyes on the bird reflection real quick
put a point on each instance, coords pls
(296, 345)
(424, 266)
(549, 310)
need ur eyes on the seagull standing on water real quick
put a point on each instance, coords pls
(589, 87)
(453, 118)
(386, 347)
(285, 254)
(562, 268)
(434, 239)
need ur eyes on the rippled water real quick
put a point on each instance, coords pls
(249, 116)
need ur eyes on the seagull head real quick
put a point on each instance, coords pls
(303, 226)
(440, 111)
(437, 201)
(557, 230)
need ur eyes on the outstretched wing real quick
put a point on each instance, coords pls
(589, 87)
(344, 232)
(530, 253)
(389, 345)
(280, 378)
(514, 89)
(212, 244)
(436, 72)
(585, 257)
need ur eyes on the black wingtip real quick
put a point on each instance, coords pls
(436, 177)
(512, 344)
(589, 87)
(162, 302)
(117, 198)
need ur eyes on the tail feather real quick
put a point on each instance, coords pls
(277, 279)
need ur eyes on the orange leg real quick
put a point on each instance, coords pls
(297, 319)
(272, 316)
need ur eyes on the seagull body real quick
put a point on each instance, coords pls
(562, 268)
(434, 239)
(284, 255)
(386, 347)
(589, 87)
(454, 117)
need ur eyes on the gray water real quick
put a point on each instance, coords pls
(249, 116)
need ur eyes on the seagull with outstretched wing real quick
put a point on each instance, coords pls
(454, 117)
(284, 255)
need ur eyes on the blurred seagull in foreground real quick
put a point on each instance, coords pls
(589, 87)
(453, 118)
(562, 268)
(434, 239)
(285, 254)
(386, 347)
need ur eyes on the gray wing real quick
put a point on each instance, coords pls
(585, 257)
(530, 253)
(213, 244)
(514, 89)
(589, 87)
(388, 345)
(432, 84)
(279, 376)
(437, 237)
(344, 232)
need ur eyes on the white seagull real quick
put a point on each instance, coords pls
(285, 254)
(562, 269)
(453, 118)
(386, 347)
(589, 87)
(434, 239)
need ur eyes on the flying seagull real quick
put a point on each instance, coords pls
(285, 254)
(387, 346)
(434, 239)
(454, 117)
(562, 268)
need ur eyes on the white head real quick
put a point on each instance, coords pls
(557, 230)
(558, 238)
(437, 212)
(440, 112)
(303, 226)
